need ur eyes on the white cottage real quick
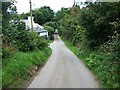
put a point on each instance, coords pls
(38, 28)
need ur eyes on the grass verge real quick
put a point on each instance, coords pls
(102, 64)
(20, 67)
(82, 54)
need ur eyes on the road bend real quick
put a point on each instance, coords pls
(64, 70)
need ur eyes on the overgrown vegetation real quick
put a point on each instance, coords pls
(50, 31)
(21, 66)
(94, 33)
(23, 52)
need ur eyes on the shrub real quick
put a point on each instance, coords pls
(106, 64)
(5, 52)
(50, 31)
(42, 43)
(91, 60)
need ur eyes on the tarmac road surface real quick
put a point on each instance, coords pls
(63, 70)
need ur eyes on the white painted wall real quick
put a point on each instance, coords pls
(43, 34)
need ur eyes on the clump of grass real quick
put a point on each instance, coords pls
(17, 68)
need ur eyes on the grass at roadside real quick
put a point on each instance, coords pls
(77, 51)
(21, 66)
(100, 63)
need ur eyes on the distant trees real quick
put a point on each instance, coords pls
(68, 23)
(95, 21)
(41, 15)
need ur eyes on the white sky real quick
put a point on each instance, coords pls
(23, 5)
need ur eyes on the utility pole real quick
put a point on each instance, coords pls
(80, 3)
(74, 3)
(31, 15)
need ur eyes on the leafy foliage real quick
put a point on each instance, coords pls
(22, 40)
(43, 15)
(50, 31)
(106, 64)
(95, 32)
(22, 50)
(15, 37)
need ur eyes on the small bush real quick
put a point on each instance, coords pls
(50, 31)
(42, 43)
(91, 60)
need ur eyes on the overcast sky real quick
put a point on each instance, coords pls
(23, 5)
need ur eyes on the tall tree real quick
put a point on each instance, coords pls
(96, 18)
(43, 15)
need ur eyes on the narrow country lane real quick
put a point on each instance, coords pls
(63, 70)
